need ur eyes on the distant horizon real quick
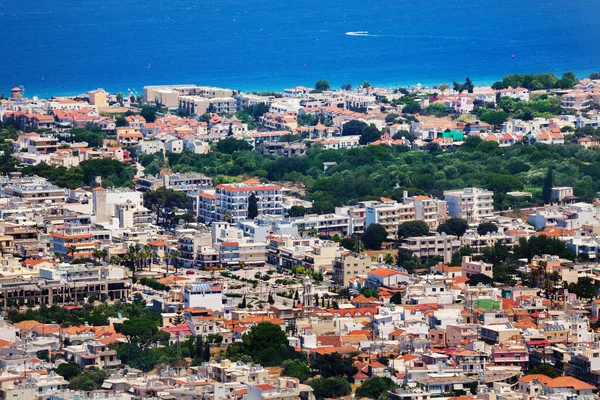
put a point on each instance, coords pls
(269, 45)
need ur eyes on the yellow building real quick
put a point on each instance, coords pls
(98, 98)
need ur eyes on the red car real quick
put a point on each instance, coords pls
(189, 272)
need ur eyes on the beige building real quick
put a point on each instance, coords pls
(348, 265)
(98, 97)
(438, 245)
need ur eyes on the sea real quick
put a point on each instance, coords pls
(73, 46)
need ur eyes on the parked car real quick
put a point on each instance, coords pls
(189, 272)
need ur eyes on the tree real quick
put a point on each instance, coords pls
(396, 298)
(547, 186)
(374, 235)
(584, 288)
(454, 226)
(296, 369)
(486, 227)
(330, 365)
(443, 87)
(266, 344)
(411, 108)
(365, 291)
(68, 370)
(335, 387)
(149, 113)
(322, 85)
(468, 85)
(346, 87)
(458, 87)
(206, 353)
(493, 117)
(230, 145)
(252, 206)
(389, 259)
(353, 128)
(374, 387)
(297, 211)
(141, 331)
(413, 228)
(369, 134)
(543, 369)
(475, 279)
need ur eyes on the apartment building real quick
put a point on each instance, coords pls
(325, 224)
(98, 98)
(390, 215)
(203, 294)
(438, 245)
(42, 145)
(230, 201)
(169, 95)
(470, 267)
(472, 204)
(199, 105)
(576, 100)
(187, 182)
(479, 242)
(244, 251)
(37, 191)
(515, 93)
(349, 265)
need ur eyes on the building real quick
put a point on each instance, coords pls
(42, 145)
(516, 93)
(349, 265)
(230, 201)
(98, 97)
(562, 194)
(438, 245)
(386, 277)
(472, 204)
(470, 267)
(203, 294)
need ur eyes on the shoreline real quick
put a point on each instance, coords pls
(279, 87)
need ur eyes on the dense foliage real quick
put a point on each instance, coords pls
(113, 173)
(324, 388)
(96, 315)
(266, 344)
(374, 387)
(375, 171)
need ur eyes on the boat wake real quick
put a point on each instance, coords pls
(360, 33)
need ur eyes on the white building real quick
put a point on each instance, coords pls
(230, 201)
(203, 294)
(472, 204)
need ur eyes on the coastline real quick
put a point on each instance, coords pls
(276, 87)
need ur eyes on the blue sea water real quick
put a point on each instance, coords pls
(79, 45)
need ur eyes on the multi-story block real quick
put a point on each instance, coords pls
(230, 201)
(348, 265)
(472, 204)
(438, 245)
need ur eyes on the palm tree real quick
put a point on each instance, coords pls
(100, 253)
(116, 260)
(146, 256)
(227, 216)
(175, 255)
(72, 250)
(59, 256)
(443, 87)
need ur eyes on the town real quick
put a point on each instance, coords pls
(194, 242)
